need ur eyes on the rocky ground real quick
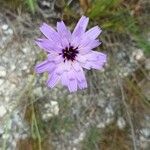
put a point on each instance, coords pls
(30, 113)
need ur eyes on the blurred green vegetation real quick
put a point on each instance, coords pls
(101, 8)
(92, 139)
(15, 4)
(32, 4)
(119, 16)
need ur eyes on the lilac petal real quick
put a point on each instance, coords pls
(63, 31)
(60, 69)
(80, 76)
(64, 42)
(93, 64)
(66, 68)
(102, 57)
(48, 45)
(95, 56)
(93, 44)
(82, 85)
(44, 66)
(81, 58)
(86, 65)
(76, 66)
(64, 79)
(47, 30)
(78, 71)
(95, 60)
(56, 75)
(100, 63)
(53, 79)
(75, 42)
(93, 33)
(81, 26)
(86, 48)
(50, 33)
(69, 79)
(56, 58)
(72, 82)
(72, 85)
(97, 65)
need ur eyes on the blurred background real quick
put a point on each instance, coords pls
(113, 113)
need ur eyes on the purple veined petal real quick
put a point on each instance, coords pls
(102, 57)
(67, 66)
(76, 66)
(72, 85)
(47, 30)
(94, 44)
(93, 64)
(53, 79)
(55, 76)
(75, 41)
(45, 66)
(97, 65)
(64, 42)
(92, 56)
(60, 69)
(91, 44)
(50, 33)
(64, 79)
(95, 56)
(71, 81)
(82, 84)
(48, 45)
(93, 33)
(52, 56)
(86, 65)
(63, 31)
(84, 42)
(56, 58)
(81, 26)
(81, 58)
(84, 50)
(80, 76)
(68, 79)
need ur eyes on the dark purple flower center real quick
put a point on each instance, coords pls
(69, 53)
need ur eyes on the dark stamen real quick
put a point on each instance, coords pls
(69, 53)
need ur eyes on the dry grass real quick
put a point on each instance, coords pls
(114, 138)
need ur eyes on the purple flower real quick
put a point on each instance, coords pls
(68, 53)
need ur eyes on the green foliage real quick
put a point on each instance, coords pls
(144, 44)
(15, 4)
(32, 5)
(58, 124)
(102, 7)
(113, 15)
(110, 14)
(92, 139)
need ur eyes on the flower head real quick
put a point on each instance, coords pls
(68, 53)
